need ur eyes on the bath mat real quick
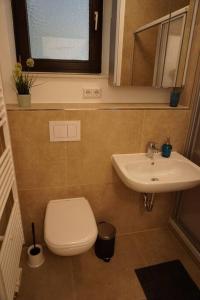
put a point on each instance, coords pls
(167, 281)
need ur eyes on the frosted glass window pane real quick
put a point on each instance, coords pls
(59, 29)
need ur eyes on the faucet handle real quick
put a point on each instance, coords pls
(153, 146)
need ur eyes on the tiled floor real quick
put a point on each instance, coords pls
(86, 277)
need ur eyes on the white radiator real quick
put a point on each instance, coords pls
(11, 232)
(11, 252)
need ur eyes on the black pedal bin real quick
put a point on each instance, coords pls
(105, 243)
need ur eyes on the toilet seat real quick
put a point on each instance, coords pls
(70, 227)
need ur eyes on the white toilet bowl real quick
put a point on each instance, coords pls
(70, 227)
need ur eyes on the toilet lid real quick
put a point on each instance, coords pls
(69, 222)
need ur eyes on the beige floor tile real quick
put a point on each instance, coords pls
(52, 281)
(160, 245)
(157, 246)
(95, 279)
(87, 277)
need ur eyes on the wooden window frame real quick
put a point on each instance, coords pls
(23, 49)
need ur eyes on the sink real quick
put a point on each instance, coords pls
(156, 175)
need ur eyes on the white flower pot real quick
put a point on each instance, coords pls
(24, 100)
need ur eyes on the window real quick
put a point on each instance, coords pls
(61, 35)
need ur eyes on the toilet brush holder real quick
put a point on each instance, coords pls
(35, 256)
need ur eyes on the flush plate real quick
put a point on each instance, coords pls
(64, 131)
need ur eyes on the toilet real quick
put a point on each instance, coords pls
(70, 227)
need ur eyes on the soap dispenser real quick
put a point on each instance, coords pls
(166, 148)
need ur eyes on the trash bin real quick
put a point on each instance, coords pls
(105, 243)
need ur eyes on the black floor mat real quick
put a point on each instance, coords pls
(167, 281)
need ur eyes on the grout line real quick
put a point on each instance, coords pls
(142, 130)
(143, 231)
(75, 296)
(132, 106)
(66, 187)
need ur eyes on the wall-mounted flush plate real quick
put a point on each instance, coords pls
(92, 93)
(61, 131)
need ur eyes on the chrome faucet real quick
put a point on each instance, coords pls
(151, 149)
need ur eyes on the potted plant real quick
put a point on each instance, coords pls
(23, 83)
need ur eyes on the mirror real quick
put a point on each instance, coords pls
(155, 35)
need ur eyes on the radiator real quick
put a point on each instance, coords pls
(11, 252)
(11, 232)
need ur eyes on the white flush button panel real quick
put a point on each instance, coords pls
(62, 131)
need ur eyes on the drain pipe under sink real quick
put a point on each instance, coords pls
(149, 201)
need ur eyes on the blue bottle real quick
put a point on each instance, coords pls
(175, 97)
(166, 148)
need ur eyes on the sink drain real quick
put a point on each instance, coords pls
(154, 179)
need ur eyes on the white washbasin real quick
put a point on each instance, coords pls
(157, 175)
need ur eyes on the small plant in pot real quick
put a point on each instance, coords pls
(23, 83)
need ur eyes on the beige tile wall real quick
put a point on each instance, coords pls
(70, 169)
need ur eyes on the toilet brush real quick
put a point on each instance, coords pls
(35, 250)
